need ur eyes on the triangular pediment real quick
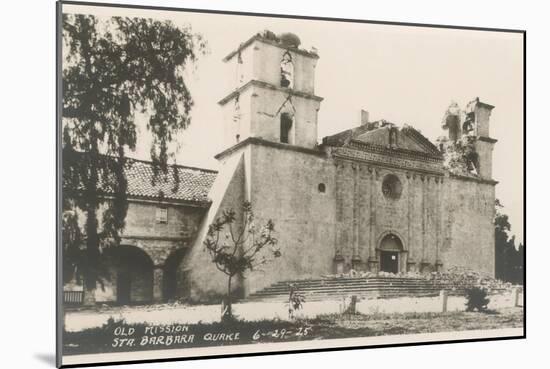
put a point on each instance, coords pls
(388, 136)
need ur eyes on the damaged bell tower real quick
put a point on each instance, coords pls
(468, 148)
(273, 96)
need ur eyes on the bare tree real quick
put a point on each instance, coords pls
(236, 249)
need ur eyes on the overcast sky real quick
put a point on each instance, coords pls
(406, 75)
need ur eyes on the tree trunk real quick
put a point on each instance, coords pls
(89, 295)
(228, 312)
(92, 237)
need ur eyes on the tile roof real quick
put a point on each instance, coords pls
(194, 183)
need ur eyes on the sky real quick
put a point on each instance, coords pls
(406, 75)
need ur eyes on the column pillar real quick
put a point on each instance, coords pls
(158, 275)
(338, 208)
(439, 222)
(373, 261)
(410, 262)
(424, 182)
(356, 258)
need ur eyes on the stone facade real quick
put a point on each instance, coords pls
(161, 224)
(147, 259)
(377, 197)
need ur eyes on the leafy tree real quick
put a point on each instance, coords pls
(237, 249)
(112, 70)
(508, 258)
(519, 265)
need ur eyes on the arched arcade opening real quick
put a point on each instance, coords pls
(131, 271)
(173, 280)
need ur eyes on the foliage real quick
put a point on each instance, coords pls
(114, 69)
(71, 242)
(296, 300)
(236, 246)
(509, 260)
(476, 299)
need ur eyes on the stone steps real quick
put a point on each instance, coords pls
(372, 287)
(270, 291)
(350, 285)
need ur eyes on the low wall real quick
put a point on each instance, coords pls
(167, 314)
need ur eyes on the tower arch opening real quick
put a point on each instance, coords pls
(287, 121)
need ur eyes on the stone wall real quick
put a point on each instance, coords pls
(469, 239)
(156, 241)
(159, 240)
(267, 66)
(441, 220)
(365, 216)
(261, 99)
(267, 107)
(259, 115)
(203, 281)
(285, 188)
(437, 218)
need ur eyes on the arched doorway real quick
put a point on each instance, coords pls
(173, 276)
(132, 274)
(390, 250)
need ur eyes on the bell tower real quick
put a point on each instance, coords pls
(477, 120)
(273, 94)
(471, 127)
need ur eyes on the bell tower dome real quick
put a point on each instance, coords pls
(273, 95)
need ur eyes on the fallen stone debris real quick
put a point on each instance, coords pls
(454, 278)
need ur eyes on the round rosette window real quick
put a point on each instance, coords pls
(391, 187)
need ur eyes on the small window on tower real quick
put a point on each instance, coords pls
(287, 71)
(286, 126)
(162, 215)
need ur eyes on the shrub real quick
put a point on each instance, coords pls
(296, 300)
(476, 299)
(352, 307)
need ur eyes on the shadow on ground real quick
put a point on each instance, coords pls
(46, 358)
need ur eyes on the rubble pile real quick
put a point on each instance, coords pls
(453, 279)
(360, 274)
(462, 278)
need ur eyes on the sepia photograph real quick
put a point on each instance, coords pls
(236, 184)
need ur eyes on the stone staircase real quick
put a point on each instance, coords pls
(370, 288)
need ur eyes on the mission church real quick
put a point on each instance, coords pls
(377, 197)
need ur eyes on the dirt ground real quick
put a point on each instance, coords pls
(85, 318)
(324, 326)
(410, 323)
